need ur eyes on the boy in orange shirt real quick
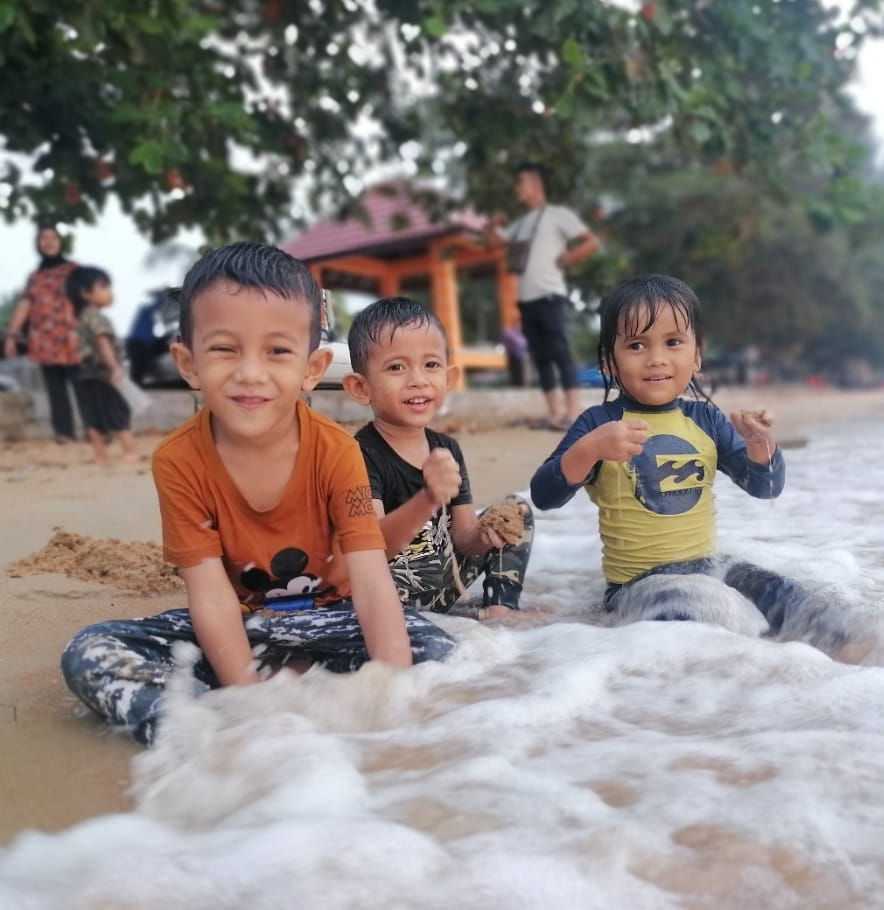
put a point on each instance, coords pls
(253, 490)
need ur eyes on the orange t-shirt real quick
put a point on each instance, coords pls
(283, 549)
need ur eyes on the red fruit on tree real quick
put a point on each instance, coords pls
(648, 12)
(103, 170)
(174, 180)
(72, 194)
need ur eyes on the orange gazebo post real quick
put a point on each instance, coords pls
(398, 247)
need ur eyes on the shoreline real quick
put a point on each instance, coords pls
(59, 766)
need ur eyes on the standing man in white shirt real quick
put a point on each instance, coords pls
(541, 245)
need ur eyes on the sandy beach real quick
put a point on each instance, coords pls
(80, 543)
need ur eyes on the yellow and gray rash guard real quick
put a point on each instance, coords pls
(659, 507)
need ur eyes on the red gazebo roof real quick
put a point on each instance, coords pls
(393, 224)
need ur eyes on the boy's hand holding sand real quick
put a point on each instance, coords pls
(503, 523)
(442, 478)
(617, 440)
(756, 428)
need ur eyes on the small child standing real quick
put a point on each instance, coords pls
(255, 490)
(648, 459)
(103, 409)
(436, 544)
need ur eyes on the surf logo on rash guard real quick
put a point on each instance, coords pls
(669, 476)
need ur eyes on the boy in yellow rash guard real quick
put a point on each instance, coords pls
(659, 506)
(648, 458)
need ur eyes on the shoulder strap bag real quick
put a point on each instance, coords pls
(517, 251)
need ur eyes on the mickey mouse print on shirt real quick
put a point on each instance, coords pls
(289, 587)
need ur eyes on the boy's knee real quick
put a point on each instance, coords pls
(428, 642)
(70, 664)
(524, 508)
(89, 654)
(75, 658)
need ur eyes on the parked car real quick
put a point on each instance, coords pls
(150, 362)
(339, 367)
(722, 370)
(153, 329)
(590, 377)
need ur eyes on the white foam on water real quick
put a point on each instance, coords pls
(652, 765)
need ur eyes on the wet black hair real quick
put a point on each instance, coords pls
(250, 265)
(80, 281)
(633, 306)
(387, 314)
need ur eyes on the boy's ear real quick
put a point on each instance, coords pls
(183, 357)
(357, 388)
(317, 363)
(452, 375)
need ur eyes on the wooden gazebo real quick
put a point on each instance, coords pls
(394, 246)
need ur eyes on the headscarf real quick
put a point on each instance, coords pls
(50, 262)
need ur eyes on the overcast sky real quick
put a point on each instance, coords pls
(115, 245)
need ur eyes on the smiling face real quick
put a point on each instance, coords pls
(655, 364)
(406, 378)
(250, 358)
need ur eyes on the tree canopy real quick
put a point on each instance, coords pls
(701, 131)
(211, 112)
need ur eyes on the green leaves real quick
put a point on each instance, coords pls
(149, 155)
(572, 53)
(7, 15)
(434, 27)
(256, 103)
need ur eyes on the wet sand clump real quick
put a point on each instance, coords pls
(135, 566)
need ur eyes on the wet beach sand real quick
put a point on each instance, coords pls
(80, 543)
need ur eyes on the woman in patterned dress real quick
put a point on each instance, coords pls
(52, 329)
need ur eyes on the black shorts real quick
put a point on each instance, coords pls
(544, 325)
(102, 407)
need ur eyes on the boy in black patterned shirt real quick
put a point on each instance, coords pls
(436, 544)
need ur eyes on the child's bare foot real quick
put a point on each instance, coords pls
(502, 613)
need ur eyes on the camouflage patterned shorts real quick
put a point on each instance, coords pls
(428, 581)
(120, 668)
